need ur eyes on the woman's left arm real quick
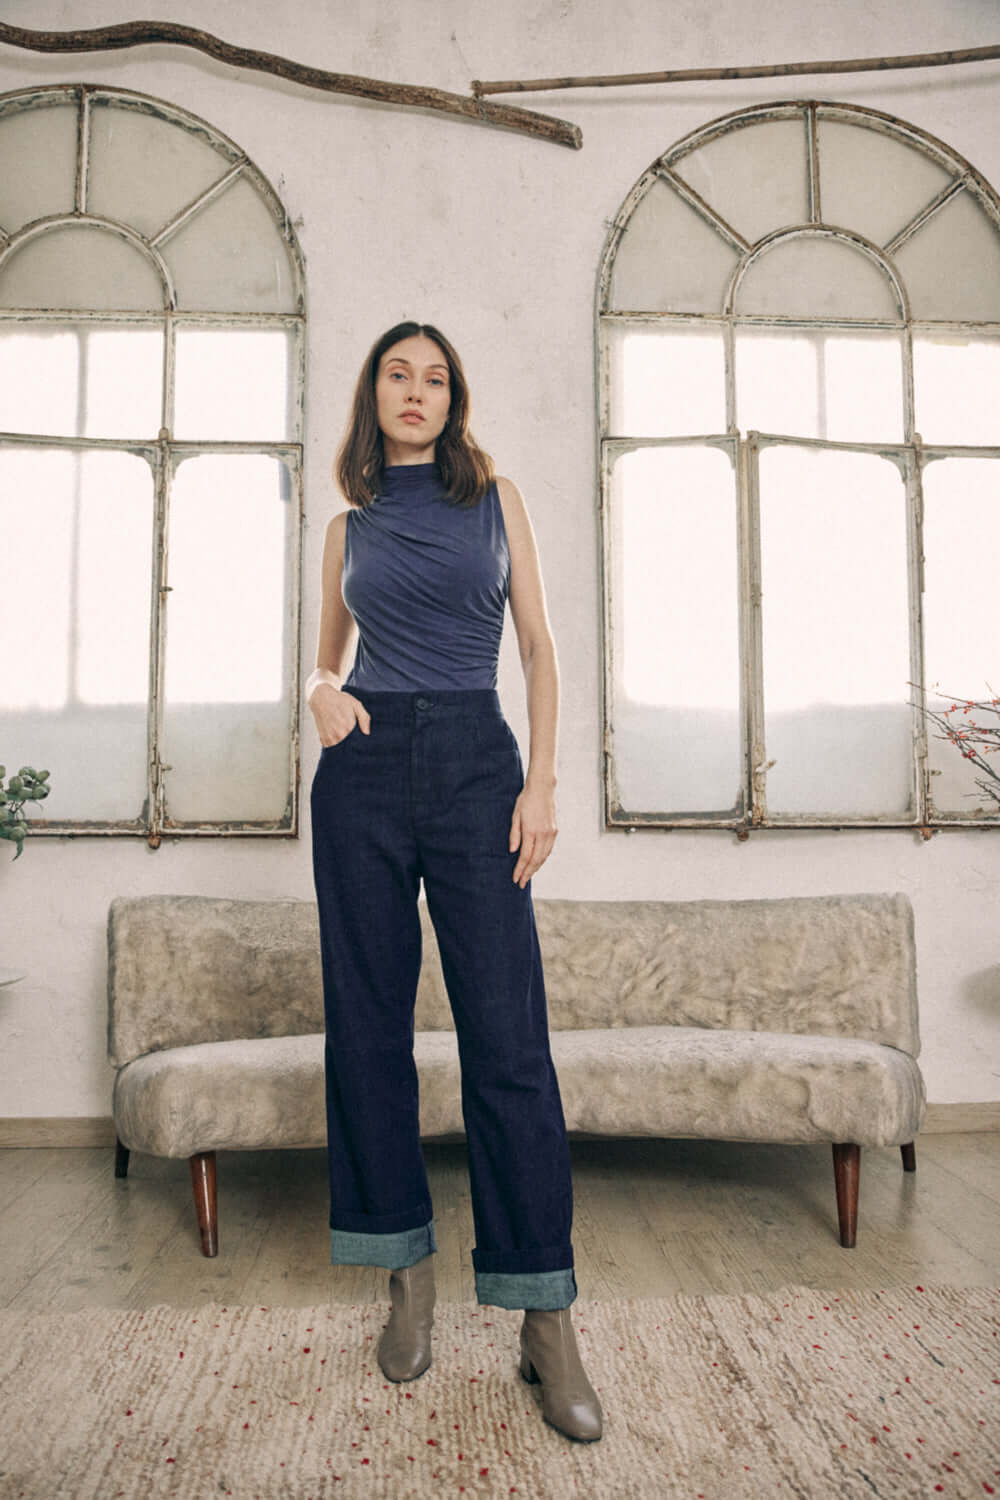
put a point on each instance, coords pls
(533, 826)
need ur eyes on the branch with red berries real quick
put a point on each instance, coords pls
(966, 725)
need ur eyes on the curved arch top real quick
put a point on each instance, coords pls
(797, 264)
(167, 179)
(699, 217)
(71, 261)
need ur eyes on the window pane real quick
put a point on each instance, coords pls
(232, 384)
(144, 169)
(816, 277)
(670, 259)
(124, 382)
(872, 183)
(847, 388)
(81, 267)
(231, 257)
(951, 267)
(956, 385)
(230, 638)
(86, 381)
(835, 633)
(676, 709)
(667, 383)
(45, 138)
(39, 380)
(75, 635)
(754, 177)
(962, 550)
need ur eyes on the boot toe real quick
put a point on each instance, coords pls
(580, 1420)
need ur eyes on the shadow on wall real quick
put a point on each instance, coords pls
(981, 992)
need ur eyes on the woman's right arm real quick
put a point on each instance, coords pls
(335, 711)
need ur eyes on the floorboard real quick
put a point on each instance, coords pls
(652, 1218)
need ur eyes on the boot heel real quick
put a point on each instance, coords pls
(528, 1371)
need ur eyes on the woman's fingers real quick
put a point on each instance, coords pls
(535, 850)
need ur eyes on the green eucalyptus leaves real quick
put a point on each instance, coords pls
(28, 785)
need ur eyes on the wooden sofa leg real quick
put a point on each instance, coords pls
(121, 1159)
(847, 1175)
(909, 1157)
(205, 1201)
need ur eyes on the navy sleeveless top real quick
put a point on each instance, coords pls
(427, 582)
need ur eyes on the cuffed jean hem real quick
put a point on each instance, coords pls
(547, 1291)
(394, 1252)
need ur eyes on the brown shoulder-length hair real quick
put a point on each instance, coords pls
(466, 470)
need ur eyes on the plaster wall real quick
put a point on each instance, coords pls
(497, 238)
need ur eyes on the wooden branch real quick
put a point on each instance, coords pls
(139, 33)
(762, 70)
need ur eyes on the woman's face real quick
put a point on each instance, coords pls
(412, 399)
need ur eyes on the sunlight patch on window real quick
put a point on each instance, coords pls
(846, 388)
(226, 615)
(232, 385)
(675, 513)
(114, 563)
(956, 389)
(124, 382)
(37, 501)
(834, 609)
(667, 384)
(39, 381)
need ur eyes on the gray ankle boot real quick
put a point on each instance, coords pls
(549, 1354)
(404, 1350)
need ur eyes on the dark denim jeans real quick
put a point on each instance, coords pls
(429, 794)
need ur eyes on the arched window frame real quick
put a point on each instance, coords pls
(744, 448)
(162, 450)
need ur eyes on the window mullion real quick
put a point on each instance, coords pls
(158, 638)
(750, 572)
(915, 545)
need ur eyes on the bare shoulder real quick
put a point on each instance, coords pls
(336, 528)
(515, 512)
(334, 544)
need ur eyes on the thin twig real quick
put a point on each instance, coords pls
(760, 70)
(139, 33)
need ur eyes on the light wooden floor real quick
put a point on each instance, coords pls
(652, 1218)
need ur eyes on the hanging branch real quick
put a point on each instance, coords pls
(139, 33)
(712, 75)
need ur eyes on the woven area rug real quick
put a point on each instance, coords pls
(892, 1394)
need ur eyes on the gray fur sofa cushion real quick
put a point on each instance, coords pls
(636, 1081)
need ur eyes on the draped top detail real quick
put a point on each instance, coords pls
(427, 583)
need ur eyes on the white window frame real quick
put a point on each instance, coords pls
(162, 451)
(911, 455)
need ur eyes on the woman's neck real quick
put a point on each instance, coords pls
(400, 455)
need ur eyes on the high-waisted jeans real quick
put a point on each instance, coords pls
(429, 794)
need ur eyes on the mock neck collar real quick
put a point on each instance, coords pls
(400, 479)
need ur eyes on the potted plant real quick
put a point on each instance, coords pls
(28, 785)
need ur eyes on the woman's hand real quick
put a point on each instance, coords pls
(336, 713)
(533, 830)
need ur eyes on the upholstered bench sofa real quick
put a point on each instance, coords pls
(781, 1021)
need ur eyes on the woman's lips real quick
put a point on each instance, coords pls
(412, 416)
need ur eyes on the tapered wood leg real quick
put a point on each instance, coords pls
(205, 1202)
(909, 1157)
(847, 1175)
(121, 1159)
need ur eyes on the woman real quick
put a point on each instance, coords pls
(419, 778)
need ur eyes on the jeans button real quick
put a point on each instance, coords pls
(423, 703)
